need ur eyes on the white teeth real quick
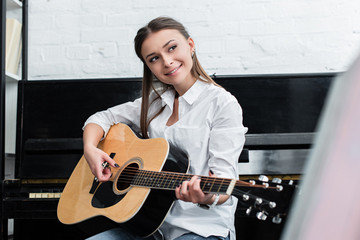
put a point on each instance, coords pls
(174, 70)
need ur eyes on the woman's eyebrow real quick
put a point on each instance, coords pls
(167, 43)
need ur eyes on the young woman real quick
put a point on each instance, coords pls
(191, 112)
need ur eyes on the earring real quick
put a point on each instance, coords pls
(192, 54)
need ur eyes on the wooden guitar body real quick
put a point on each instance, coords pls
(138, 209)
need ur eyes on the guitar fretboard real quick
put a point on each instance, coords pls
(170, 180)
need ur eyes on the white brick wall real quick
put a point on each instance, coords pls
(71, 39)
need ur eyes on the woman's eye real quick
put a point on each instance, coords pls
(172, 48)
(153, 59)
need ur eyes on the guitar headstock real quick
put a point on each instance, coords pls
(265, 199)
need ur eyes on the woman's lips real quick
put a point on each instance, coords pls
(173, 71)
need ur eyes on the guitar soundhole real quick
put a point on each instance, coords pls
(106, 196)
(127, 176)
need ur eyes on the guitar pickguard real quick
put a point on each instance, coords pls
(104, 196)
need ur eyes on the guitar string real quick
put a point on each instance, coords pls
(181, 175)
(178, 176)
(155, 179)
(165, 174)
(129, 174)
(155, 176)
(152, 180)
(184, 177)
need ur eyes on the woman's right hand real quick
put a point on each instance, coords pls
(96, 158)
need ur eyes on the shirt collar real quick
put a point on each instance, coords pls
(194, 92)
(168, 98)
(190, 96)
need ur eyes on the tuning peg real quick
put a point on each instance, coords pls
(246, 197)
(279, 188)
(258, 201)
(248, 211)
(277, 219)
(291, 182)
(272, 204)
(276, 180)
(263, 178)
(265, 184)
(252, 182)
(261, 215)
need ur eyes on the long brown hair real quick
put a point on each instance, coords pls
(197, 71)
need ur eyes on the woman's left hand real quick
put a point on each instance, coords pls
(190, 191)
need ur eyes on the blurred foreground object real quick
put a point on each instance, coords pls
(326, 206)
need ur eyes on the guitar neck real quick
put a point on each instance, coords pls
(170, 180)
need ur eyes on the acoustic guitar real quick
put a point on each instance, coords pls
(141, 191)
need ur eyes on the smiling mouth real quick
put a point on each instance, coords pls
(173, 71)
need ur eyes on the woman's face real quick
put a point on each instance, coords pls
(168, 55)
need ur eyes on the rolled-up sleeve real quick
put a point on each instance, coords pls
(127, 113)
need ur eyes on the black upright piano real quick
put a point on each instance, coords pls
(280, 111)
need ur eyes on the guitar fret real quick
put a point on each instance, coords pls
(142, 178)
(160, 177)
(177, 182)
(223, 188)
(136, 179)
(167, 180)
(209, 184)
(146, 178)
(203, 183)
(152, 179)
(212, 185)
(220, 185)
(171, 181)
(164, 181)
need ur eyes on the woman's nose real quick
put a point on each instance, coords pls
(168, 61)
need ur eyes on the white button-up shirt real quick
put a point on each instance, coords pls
(210, 131)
